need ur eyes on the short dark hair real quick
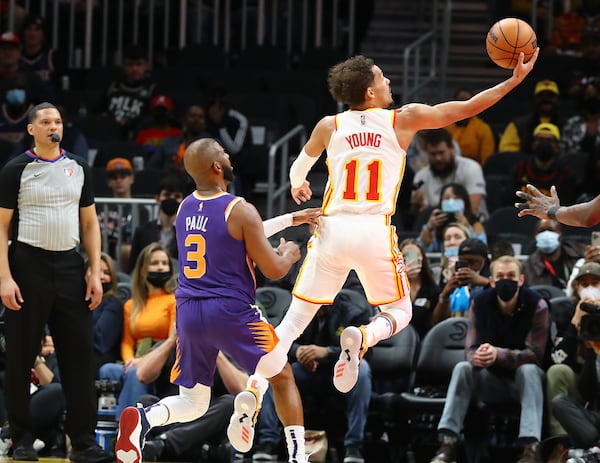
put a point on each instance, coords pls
(33, 112)
(135, 51)
(349, 80)
(433, 137)
(171, 184)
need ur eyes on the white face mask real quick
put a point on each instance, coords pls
(589, 292)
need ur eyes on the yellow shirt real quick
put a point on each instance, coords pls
(476, 139)
(155, 321)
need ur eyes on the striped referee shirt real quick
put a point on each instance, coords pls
(46, 196)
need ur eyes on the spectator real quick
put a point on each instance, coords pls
(505, 343)
(108, 316)
(10, 54)
(501, 248)
(588, 67)
(545, 168)
(424, 291)
(590, 254)
(580, 132)
(518, 134)
(149, 316)
(553, 260)
(445, 167)
(231, 127)
(128, 96)
(567, 348)
(16, 104)
(582, 423)
(171, 191)
(454, 234)
(454, 206)
(470, 277)
(37, 57)
(169, 155)
(313, 356)
(158, 125)
(119, 220)
(474, 136)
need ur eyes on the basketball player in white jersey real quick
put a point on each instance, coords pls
(366, 155)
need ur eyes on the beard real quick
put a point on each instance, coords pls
(228, 173)
(443, 171)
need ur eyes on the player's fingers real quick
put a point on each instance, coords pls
(533, 190)
(553, 192)
(525, 196)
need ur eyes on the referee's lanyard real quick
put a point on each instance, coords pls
(554, 274)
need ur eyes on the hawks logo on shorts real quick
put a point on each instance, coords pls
(400, 267)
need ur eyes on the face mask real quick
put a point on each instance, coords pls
(591, 105)
(547, 241)
(106, 287)
(169, 206)
(453, 205)
(15, 97)
(158, 279)
(451, 252)
(589, 292)
(506, 289)
(544, 151)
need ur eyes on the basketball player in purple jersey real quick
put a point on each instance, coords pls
(220, 237)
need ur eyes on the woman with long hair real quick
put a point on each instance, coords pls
(148, 317)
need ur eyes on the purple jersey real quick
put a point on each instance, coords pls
(211, 262)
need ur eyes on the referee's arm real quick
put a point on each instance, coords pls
(90, 235)
(9, 290)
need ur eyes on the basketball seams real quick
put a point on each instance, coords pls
(504, 42)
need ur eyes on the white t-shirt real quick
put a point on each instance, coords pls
(467, 173)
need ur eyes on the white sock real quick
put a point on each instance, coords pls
(294, 438)
(380, 328)
(157, 414)
(259, 383)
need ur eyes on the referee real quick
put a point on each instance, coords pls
(46, 202)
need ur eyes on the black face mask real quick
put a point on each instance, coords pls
(506, 289)
(591, 105)
(544, 151)
(462, 123)
(106, 287)
(169, 206)
(158, 279)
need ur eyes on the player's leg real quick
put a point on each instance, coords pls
(384, 279)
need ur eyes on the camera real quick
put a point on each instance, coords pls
(451, 217)
(590, 324)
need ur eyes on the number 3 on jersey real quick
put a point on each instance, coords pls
(352, 173)
(195, 255)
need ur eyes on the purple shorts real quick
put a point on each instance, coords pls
(207, 326)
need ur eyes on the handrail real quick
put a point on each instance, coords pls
(280, 192)
(135, 218)
(418, 83)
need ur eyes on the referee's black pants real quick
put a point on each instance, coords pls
(53, 288)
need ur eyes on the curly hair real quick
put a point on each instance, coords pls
(348, 81)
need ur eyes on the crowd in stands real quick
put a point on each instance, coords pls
(455, 258)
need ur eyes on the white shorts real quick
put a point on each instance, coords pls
(367, 244)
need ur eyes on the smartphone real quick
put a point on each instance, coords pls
(460, 264)
(596, 238)
(451, 217)
(410, 255)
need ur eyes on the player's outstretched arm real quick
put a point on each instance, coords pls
(548, 207)
(416, 116)
(244, 223)
(309, 215)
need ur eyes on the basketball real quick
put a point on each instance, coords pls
(507, 38)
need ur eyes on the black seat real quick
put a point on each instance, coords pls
(503, 162)
(497, 189)
(548, 291)
(124, 290)
(562, 309)
(111, 148)
(503, 223)
(275, 302)
(97, 127)
(147, 181)
(354, 297)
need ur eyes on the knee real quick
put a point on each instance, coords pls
(558, 402)
(558, 373)
(272, 363)
(462, 369)
(110, 371)
(283, 379)
(529, 372)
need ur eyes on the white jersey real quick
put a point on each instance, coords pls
(365, 162)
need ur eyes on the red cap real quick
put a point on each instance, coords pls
(10, 38)
(162, 100)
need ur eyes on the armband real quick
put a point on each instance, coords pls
(276, 224)
(552, 212)
(300, 168)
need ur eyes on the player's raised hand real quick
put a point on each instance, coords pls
(538, 203)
